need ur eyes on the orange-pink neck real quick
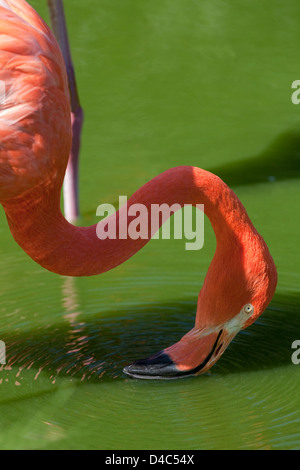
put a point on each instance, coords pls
(40, 229)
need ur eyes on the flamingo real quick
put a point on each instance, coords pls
(35, 129)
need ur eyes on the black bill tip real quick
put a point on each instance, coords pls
(162, 367)
(159, 366)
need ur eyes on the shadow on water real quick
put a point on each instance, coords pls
(99, 349)
(279, 161)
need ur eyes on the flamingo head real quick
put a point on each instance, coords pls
(230, 300)
(194, 354)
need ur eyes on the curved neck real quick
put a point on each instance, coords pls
(40, 229)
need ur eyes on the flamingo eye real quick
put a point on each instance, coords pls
(248, 308)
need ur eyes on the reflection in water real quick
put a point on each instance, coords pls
(93, 349)
(102, 346)
(70, 300)
(77, 339)
(85, 357)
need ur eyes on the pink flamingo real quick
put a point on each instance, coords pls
(35, 129)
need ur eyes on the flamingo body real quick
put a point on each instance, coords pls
(35, 130)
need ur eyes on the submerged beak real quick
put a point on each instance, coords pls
(194, 354)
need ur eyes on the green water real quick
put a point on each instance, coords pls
(164, 83)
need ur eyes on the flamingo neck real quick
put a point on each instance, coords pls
(39, 227)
